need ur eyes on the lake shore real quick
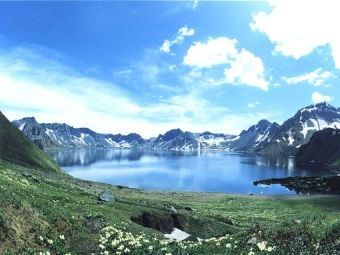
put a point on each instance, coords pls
(54, 204)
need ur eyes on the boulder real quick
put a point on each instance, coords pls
(173, 209)
(252, 240)
(105, 196)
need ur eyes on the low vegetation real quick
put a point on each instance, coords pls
(53, 213)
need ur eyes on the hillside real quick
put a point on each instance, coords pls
(16, 148)
(323, 150)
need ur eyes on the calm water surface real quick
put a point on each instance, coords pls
(209, 171)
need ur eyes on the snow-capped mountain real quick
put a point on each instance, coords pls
(250, 140)
(208, 140)
(298, 130)
(35, 132)
(264, 137)
(54, 135)
(177, 139)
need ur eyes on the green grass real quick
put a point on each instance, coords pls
(15, 147)
(35, 203)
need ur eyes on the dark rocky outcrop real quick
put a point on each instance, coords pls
(323, 150)
(164, 223)
(307, 185)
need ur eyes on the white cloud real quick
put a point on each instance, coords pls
(316, 78)
(297, 28)
(166, 46)
(179, 39)
(52, 92)
(253, 104)
(319, 98)
(244, 68)
(195, 4)
(215, 51)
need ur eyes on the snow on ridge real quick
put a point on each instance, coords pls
(51, 134)
(22, 126)
(233, 139)
(211, 141)
(291, 140)
(318, 124)
(262, 137)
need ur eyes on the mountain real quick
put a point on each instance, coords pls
(323, 149)
(176, 139)
(210, 140)
(264, 137)
(35, 132)
(55, 135)
(17, 148)
(298, 130)
(250, 140)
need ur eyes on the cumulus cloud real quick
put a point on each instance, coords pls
(182, 33)
(215, 51)
(242, 66)
(297, 28)
(319, 98)
(316, 78)
(246, 69)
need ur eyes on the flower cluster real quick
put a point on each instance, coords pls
(53, 246)
(229, 243)
(264, 247)
(121, 242)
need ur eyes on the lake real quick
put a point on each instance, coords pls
(210, 171)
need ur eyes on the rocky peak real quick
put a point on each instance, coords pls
(171, 134)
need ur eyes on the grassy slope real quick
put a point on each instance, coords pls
(53, 204)
(15, 147)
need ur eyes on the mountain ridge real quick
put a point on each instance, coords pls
(264, 137)
(298, 129)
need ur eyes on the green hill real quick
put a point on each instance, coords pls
(16, 148)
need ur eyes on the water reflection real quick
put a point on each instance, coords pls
(84, 157)
(176, 170)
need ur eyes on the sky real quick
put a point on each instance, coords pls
(151, 66)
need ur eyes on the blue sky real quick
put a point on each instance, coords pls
(147, 67)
